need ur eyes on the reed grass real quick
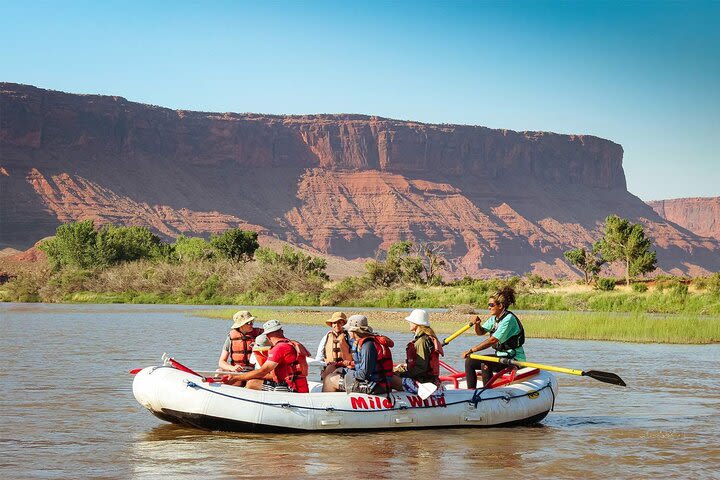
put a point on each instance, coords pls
(637, 327)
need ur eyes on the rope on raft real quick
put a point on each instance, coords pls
(474, 400)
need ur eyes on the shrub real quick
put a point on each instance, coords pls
(235, 244)
(605, 284)
(192, 248)
(294, 261)
(639, 287)
(73, 245)
(534, 280)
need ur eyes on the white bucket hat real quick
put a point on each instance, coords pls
(419, 317)
(271, 326)
(241, 318)
(358, 323)
(262, 342)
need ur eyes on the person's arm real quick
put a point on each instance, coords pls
(367, 357)
(478, 326)
(477, 348)
(267, 367)
(224, 355)
(320, 355)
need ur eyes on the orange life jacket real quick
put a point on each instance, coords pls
(337, 348)
(297, 378)
(241, 346)
(435, 351)
(384, 362)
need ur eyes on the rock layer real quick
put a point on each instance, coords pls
(699, 215)
(498, 201)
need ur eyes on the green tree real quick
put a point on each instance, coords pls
(587, 262)
(72, 246)
(626, 242)
(193, 248)
(116, 244)
(431, 258)
(399, 266)
(235, 244)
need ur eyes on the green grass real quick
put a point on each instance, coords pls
(639, 328)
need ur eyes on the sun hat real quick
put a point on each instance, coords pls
(241, 318)
(336, 317)
(419, 317)
(262, 342)
(271, 326)
(358, 323)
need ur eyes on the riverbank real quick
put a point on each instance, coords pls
(636, 328)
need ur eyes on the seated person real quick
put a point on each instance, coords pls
(423, 356)
(237, 351)
(372, 362)
(286, 364)
(334, 347)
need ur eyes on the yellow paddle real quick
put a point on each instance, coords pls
(606, 377)
(452, 337)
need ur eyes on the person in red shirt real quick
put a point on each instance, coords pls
(286, 362)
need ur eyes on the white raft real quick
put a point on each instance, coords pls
(179, 397)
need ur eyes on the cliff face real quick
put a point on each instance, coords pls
(699, 215)
(498, 201)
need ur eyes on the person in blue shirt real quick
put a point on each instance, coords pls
(507, 337)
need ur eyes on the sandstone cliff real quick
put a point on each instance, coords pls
(499, 201)
(699, 215)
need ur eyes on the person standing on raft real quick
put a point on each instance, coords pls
(423, 356)
(286, 364)
(507, 337)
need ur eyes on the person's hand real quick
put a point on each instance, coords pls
(476, 320)
(467, 353)
(238, 368)
(400, 367)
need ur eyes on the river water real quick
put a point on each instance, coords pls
(67, 410)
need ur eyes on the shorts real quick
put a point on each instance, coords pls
(272, 386)
(349, 384)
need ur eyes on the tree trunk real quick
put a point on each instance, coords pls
(627, 271)
(587, 281)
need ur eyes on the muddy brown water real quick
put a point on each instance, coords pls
(67, 410)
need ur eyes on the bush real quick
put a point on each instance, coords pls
(679, 290)
(534, 280)
(192, 248)
(235, 244)
(605, 284)
(639, 287)
(294, 261)
(73, 245)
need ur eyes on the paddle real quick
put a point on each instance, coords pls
(452, 337)
(606, 377)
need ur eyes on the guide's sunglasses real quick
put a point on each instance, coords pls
(490, 305)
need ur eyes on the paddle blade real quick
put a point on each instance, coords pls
(606, 377)
(134, 371)
(426, 389)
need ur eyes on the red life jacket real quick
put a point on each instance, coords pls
(241, 346)
(296, 379)
(435, 351)
(384, 362)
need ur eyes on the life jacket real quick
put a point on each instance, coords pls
(435, 351)
(516, 341)
(337, 348)
(296, 379)
(241, 346)
(384, 362)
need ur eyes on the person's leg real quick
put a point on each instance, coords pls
(470, 374)
(488, 369)
(397, 383)
(331, 383)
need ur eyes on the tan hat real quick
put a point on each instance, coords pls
(336, 317)
(358, 323)
(272, 326)
(241, 318)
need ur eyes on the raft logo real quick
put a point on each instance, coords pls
(368, 402)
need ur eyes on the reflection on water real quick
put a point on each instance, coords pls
(67, 410)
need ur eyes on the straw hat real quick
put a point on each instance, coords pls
(358, 323)
(241, 318)
(419, 317)
(337, 317)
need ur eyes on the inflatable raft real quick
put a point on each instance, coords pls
(184, 397)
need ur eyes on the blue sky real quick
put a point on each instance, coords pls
(643, 74)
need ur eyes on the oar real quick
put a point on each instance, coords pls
(452, 337)
(606, 377)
